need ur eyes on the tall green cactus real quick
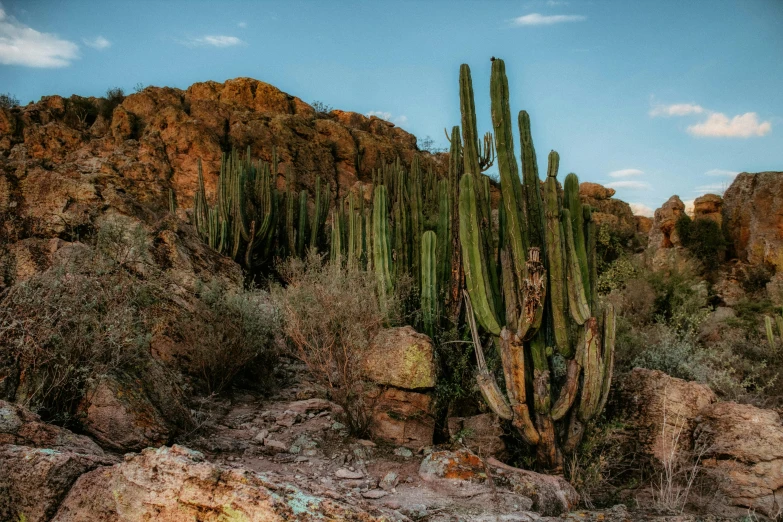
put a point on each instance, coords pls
(545, 266)
(381, 243)
(429, 281)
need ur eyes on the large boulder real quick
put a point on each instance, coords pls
(38, 464)
(663, 233)
(659, 412)
(176, 485)
(401, 357)
(743, 451)
(753, 217)
(401, 364)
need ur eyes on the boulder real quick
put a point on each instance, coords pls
(663, 233)
(129, 414)
(482, 434)
(38, 464)
(402, 417)
(659, 412)
(171, 484)
(743, 451)
(753, 217)
(708, 206)
(401, 357)
(643, 225)
(462, 470)
(612, 213)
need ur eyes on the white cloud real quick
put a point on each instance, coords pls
(23, 45)
(555, 3)
(689, 206)
(398, 120)
(625, 173)
(632, 185)
(242, 25)
(98, 42)
(676, 109)
(721, 173)
(539, 19)
(640, 209)
(718, 125)
(213, 40)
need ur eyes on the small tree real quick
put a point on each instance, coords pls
(8, 101)
(322, 108)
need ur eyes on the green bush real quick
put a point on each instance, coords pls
(114, 97)
(703, 238)
(8, 101)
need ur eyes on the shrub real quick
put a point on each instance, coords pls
(704, 239)
(8, 101)
(230, 333)
(330, 315)
(322, 108)
(114, 97)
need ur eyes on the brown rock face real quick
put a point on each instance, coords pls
(402, 417)
(643, 225)
(708, 206)
(744, 452)
(614, 213)
(176, 485)
(753, 217)
(38, 464)
(663, 233)
(660, 412)
(480, 433)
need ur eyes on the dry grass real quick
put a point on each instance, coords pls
(330, 315)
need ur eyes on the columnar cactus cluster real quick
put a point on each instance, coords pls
(527, 269)
(247, 222)
(538, 302)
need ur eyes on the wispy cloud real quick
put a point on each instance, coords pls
(712, 188)
(23, 45)
(625, 173)
(676, 109)
(99, 42)
(242, 25)
(631, 185)
(384, 115)
(539, 19)
(213, 41)
(640, 209)
(689, 206)
(556, 3)
(722, 173)
(718, 125)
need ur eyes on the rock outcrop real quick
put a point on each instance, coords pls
(743, 452)
(482, 434)
(614, 213)
(401, 363)
(663, 233)
(39, 463)
(659, 412)
(708, 206)
(753, 217)
(177, 484)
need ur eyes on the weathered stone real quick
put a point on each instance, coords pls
(402, 417)
(663, 233)
(343, 473)
(401, 357)
(643, 225)
(743, 451)
(612, 213)
(480, 433)
(708, 206)
(753, 217)
(659, 413)
(176, 484)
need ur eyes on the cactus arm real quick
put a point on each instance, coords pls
(568, 392)
(535, 210)
(554, 248)
(474, 263)
(770, 333)
(573, 203)
(577, 300)
(429, 281)
(779, 322)
(513, 357)
(607, 370)
(486, 381)
(592, 382)
(381, 242)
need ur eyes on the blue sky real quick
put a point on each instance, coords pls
(653, 98)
